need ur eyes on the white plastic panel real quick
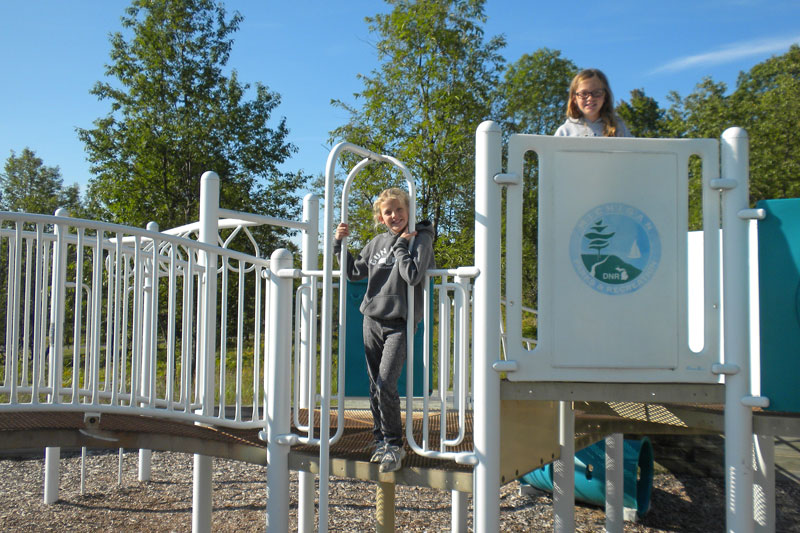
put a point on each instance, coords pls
(615, 304)
(612, 261)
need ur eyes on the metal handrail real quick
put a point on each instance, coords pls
(115, 281)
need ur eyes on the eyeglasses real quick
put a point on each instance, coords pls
(597, 93)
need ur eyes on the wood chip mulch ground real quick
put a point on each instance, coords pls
(680, 503)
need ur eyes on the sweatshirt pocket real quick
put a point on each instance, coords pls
(387, 307)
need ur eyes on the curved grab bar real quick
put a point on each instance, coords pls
(461, 343)
(461, 371)
(327, 300)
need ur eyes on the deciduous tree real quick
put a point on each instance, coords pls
(30, 186)
(532, 98)
(765, 104)
(643, 116)
(174, 114)
(534, 92)
(422, 105)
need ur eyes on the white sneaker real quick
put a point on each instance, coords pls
(377, 455)
(392, 460)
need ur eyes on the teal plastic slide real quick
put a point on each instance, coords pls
(590, 474)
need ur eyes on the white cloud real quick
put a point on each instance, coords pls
(729, 53)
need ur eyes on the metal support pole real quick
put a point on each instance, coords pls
(308, 367)
(738, 417)
(201, 494)
(764, 483)
(279, 392)
(615, 479)
(145, 456)
(52, 459)
(488, 163)
(460, 506)
(384, 507)
(83, 470)
(209, 221)
(564, 472)
(145, 464)
(58, 287)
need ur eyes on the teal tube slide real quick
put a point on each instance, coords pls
(590, 474)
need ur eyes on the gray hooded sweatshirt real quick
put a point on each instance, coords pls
(390, 266)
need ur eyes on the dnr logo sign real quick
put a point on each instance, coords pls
(615, 249)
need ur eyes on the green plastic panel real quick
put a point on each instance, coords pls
(779, 302)
(356, 382)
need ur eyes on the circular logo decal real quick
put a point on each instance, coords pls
(615, 248)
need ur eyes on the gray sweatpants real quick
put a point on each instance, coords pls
(385, 349)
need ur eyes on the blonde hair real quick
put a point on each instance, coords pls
(606, 110)
(392, 193)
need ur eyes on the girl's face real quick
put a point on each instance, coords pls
(394, 214)
(590, 96)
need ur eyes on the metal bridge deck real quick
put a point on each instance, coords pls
(34, 430)
(528, 439)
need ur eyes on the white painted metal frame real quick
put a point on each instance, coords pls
(117, 275)
(523, 364)
(119, 285)
(486, 337)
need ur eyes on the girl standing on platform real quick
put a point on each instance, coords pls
(391, 263)
(590, 110)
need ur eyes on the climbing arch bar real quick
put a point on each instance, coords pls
(612, 258)
(325, 440)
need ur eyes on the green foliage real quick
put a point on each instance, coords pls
(534, 93)
(533, 99)
(643, 116)
(703, 114)
(28, 185)
(765, 104)
(422, 105)
(174, 114)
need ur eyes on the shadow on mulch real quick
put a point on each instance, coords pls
(698, 465)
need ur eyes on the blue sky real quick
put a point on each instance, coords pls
(311, 51)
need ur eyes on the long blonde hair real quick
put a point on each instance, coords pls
(606, 110)
(392, 193)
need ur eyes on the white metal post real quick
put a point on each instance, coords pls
(209, 221)
(279, 392)
(52, 458)
(764, 483)
(564, 472)
(615, 479)
(458, 520)
(305, 510)
(145, 456)
(326, 348)
(488, 163)
(738, 416)
(58, 287)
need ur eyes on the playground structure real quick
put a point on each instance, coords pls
(150, 336)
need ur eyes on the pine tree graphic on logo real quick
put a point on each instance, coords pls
(606, 268)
